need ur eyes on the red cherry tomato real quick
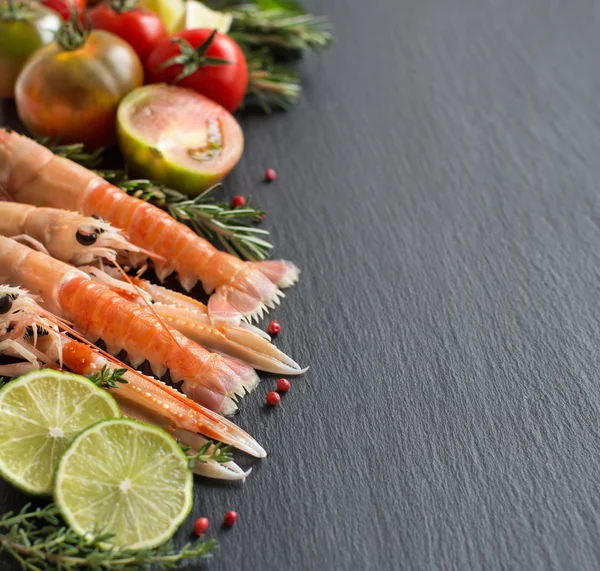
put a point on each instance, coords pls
(225, 83)
(64, 7)
(140, 28)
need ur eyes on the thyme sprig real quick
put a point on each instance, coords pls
(108, 378)
(231, 227)
(39, 540)
(212, 450)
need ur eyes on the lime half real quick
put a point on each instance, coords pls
(40, 414)
(125, 478)
(197, 15)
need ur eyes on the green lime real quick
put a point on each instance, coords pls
(197, 15)
(171, 12)
(40, 414)
(177, 137)
(125, 478)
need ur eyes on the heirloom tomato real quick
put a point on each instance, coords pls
(65, 7)
(70, 90)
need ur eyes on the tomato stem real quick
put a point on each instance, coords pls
(15, 10)
(121, 6)
(73, 33)
(191, 59)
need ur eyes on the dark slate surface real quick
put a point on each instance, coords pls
(439, 188)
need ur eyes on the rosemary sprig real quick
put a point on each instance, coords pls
(270, 85)
(232, 227)
(75, 152)
(107, 378)
(39, 540)
(280, 25)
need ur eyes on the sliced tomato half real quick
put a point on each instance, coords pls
(177, 137)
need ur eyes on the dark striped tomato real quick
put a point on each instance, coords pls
(73, 95)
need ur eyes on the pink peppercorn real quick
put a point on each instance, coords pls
(200, 526)
(274, 328)
(230, 518)
(283, 385)
(273, 398)
(238, 201)
(270, 175)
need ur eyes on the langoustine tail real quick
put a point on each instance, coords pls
(282, 273)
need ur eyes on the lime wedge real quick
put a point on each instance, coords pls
(197, 15)
(125, 478)
(40, 414)
(171, 12)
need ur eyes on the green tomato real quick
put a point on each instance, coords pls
(24, 28)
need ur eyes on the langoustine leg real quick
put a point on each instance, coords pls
(32, 174)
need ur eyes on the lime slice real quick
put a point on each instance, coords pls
(171, 12)
(197, 15)
(125, 478)
(40, 414)
(177, 137)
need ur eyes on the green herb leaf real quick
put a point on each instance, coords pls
(39, 540)
(233, 228)
(212, 450)
(280, 26)
(270, 86)
(108, 378)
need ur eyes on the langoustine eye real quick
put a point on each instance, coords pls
(6, 303)
(86, 238)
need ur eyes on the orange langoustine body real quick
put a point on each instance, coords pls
(208, 378)
(32, 174)
(80, 240)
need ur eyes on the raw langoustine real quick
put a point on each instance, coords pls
(37, 339)
(78, 240)
(97, 312)
(32, 174)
